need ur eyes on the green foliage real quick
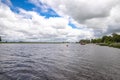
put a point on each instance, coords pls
(84, 41)
(96, 40)
(117, 45)
(106, 39)
(114, 38)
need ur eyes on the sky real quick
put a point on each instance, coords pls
(58, 20)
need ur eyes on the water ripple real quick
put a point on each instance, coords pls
(58, 62)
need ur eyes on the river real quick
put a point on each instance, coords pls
(59, 62)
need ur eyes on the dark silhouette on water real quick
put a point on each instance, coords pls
(67, 45)
(0, 39)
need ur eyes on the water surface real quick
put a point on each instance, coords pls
(59, 62)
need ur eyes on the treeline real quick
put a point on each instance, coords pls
(114, 38)
(85, 41)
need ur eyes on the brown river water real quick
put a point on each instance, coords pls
(59, 62)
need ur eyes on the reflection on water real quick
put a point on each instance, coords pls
(58, 62)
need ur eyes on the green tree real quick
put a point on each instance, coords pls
(98, 40)
(116, 37)
(84, 41)
(103, 39)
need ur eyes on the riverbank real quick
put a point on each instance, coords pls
(115, 45)
(33, 42)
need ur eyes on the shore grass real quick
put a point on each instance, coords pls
(115, 45)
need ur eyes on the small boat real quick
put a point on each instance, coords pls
(67, 45)
(82, 43)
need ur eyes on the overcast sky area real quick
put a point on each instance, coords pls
(58, 20)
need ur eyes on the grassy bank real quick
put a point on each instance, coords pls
(115, 45)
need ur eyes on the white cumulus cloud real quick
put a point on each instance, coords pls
(100, 15)
(30, 26)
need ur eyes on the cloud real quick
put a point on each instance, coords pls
(106, 25)
(82, 10)
(44, 7)
(8, 2)
(93, 18)
(30, 26)
(101, 16)
(114, 20)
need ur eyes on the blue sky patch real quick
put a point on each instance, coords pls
(24, 4)
(28, 6)
(49, 13)
(72, 25)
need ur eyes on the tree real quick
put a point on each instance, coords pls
(116, 37)
(98, 40)
(84, 41)
(103, 39)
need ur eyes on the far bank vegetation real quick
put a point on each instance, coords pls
(112, 40)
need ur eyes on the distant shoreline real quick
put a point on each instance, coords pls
(33, 42)
(115, 45)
